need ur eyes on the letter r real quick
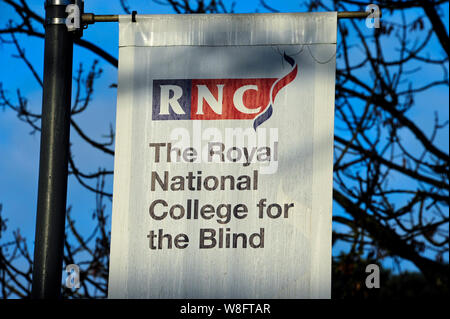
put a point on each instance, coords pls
(170, 101)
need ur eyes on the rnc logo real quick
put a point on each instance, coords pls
(219, 99)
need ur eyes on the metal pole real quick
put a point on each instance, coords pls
(53, 165)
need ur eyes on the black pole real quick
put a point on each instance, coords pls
(53, 165)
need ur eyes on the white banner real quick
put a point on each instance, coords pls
(223, 160)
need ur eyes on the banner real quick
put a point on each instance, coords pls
(224, 154)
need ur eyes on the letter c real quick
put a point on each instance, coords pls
(238, 99)
(152, 207)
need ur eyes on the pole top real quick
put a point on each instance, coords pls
(49, 3)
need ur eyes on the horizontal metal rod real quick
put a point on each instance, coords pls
(353, 14)
(90, 18)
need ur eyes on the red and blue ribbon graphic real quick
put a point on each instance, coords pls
(276, 87)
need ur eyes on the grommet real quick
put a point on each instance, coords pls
(133, 16)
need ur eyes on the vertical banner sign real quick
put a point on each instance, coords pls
(224, 148)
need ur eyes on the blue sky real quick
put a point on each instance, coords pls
(19, 151)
